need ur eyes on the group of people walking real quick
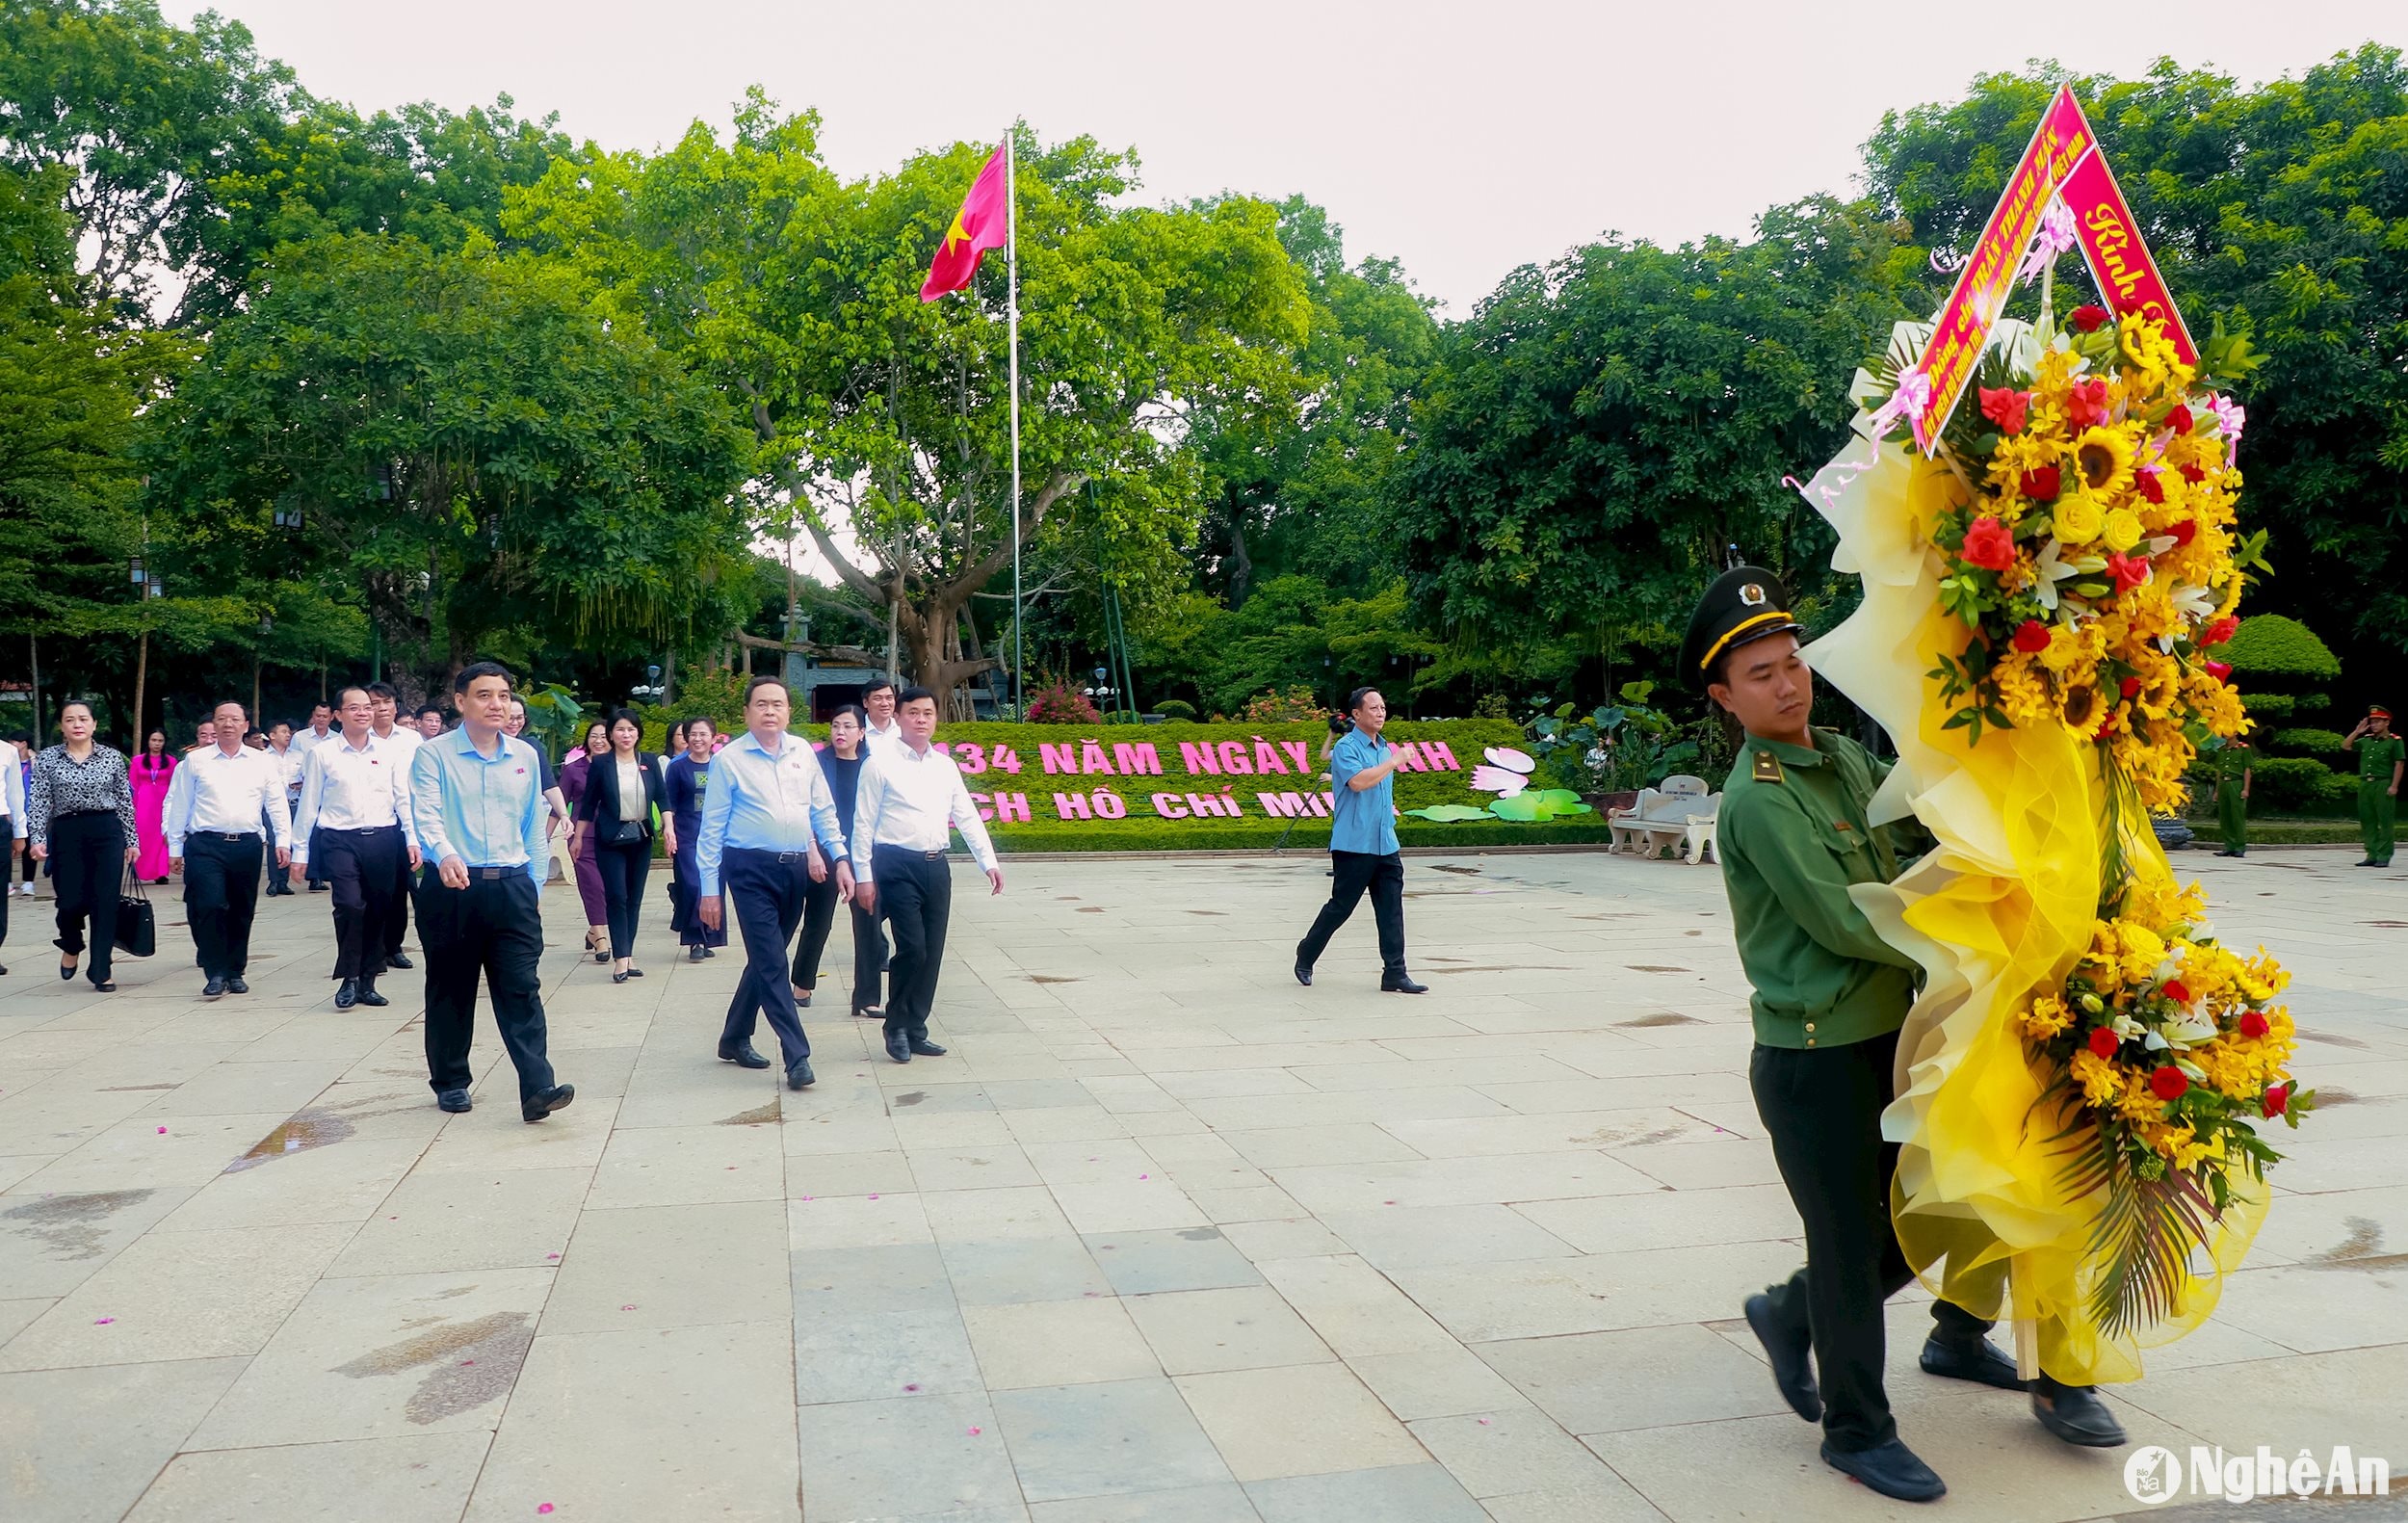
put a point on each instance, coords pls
(386, 814)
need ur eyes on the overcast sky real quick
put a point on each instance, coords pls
(1463, 138)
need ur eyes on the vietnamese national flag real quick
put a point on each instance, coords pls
(984, 222)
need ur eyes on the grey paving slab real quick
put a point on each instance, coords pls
(1176, 1239)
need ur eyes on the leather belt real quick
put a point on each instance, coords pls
(495, 875)
(229, 835)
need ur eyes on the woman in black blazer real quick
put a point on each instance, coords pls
(622, 792)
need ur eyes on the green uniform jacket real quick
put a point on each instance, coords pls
(1793, 836)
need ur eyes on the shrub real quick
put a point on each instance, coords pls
(2298, 785)
(1176, 710)
(2264, 706)
(1058, 703)
(2306, 742)
(1492, 706)
(1283, 707)
(2271, 645)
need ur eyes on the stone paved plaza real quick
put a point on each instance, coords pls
(1165, 1237)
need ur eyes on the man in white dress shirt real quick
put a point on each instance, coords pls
(878, 701)
(280, 747)
(355, 804)
(402, 741)
(216, 806)
(911, 799)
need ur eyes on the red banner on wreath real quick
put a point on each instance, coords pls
(2119, 259)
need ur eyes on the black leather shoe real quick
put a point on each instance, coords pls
(619, 976)
(1304, 975)
(898, 1046)
(368, 994)
(1890, 1469)
(1979, 1362)
(1401, 984)
(1788, 1347)
(236, 985)
(543, 1102)
(212, 989)
(455, 1101)
(693, 954)
(347, 994)
(798, 1074)
(802, 1002)
(397, 959)
(741, 1055)
(923, 1047)
(2075, 1414)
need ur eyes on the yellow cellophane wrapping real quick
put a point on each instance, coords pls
(1998, 912)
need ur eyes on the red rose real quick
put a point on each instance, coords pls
(2042, 484)
(2150, 486)
(1988, 545)
(2277, 1100)
(2103, 1041)
(2168, 1083)
(2131, 686)
(2220, 671)
(2177, 992)
(2252, 1025)
(2005, 406)
(2106, 727)
(2184, 531)
(2087, 319)
(2129, 571)
(2222, 630)
(2180, 419)
(2194, 475)
(2032, 637)
(2086, 403)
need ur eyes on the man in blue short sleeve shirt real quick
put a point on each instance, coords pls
(1362, 844)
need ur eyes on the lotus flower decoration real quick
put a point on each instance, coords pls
(1506, 773)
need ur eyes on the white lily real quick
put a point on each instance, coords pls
(2051, 571)
(2194, 602)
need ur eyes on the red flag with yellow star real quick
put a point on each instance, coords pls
(984, 222)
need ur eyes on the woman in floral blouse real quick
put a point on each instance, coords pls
(79, 815)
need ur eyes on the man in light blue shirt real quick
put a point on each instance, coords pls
(1362, 844)
(476, 809)
(769, 832)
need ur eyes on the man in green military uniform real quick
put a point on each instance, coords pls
(1829, 997)
(2231, 795)
(2380, 754)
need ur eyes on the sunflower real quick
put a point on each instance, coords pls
(2105, 457)
(2081, 708)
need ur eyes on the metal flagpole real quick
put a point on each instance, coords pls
(1011, 264)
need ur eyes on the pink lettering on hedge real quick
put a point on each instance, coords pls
(1107, 805)
(1198, 757)
(1436, 756)
(1170, 806)
(1298, 754)
(1009, 808)
(1070, 806)
(1266, 760)
(1408, 759)
(1059, 758)
(1131, 760)
(1234, 759)
(1294, 805)
(1091, 756)
(1224, 805)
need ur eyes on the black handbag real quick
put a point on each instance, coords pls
(138, 930)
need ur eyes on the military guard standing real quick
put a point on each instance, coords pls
(1829, 997)
(2232, 768)
(2380, 753)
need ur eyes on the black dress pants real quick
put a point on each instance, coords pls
(766, 892)
(915, 894)
(625, 870)
(386, 939)
(1351, 873)
(221, 894)
(868, 944)
(493, 926)
(279, 879)
(87, 866)
(360, 865)
(1821, 1107)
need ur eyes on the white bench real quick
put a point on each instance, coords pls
(1679, 813)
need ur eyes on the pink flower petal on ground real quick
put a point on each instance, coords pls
(873, 1197)
(974, 1433)
(629, 1306)
(551, 1255)
(543, 1507)
(1483, 1422)
(163, 1131)
(912, 1386)
(102, 1322)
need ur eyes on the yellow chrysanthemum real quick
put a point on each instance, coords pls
(2103, 456)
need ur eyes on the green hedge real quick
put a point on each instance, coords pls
(1096, 770)
(2306, 742)
(2298, 785)
(2271, 645)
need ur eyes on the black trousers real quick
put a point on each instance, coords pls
(220, 896)
(765, 891)
(625, 870)
(493, 926)
(360, 865)
(915, 894)
(87, 866)
(279, 879)
(1821, 1105)
(869, 945)
(386, 939)
(1350, 874)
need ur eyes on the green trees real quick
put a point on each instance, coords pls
(2283, 670)
(1595, 436)
(466, 445)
